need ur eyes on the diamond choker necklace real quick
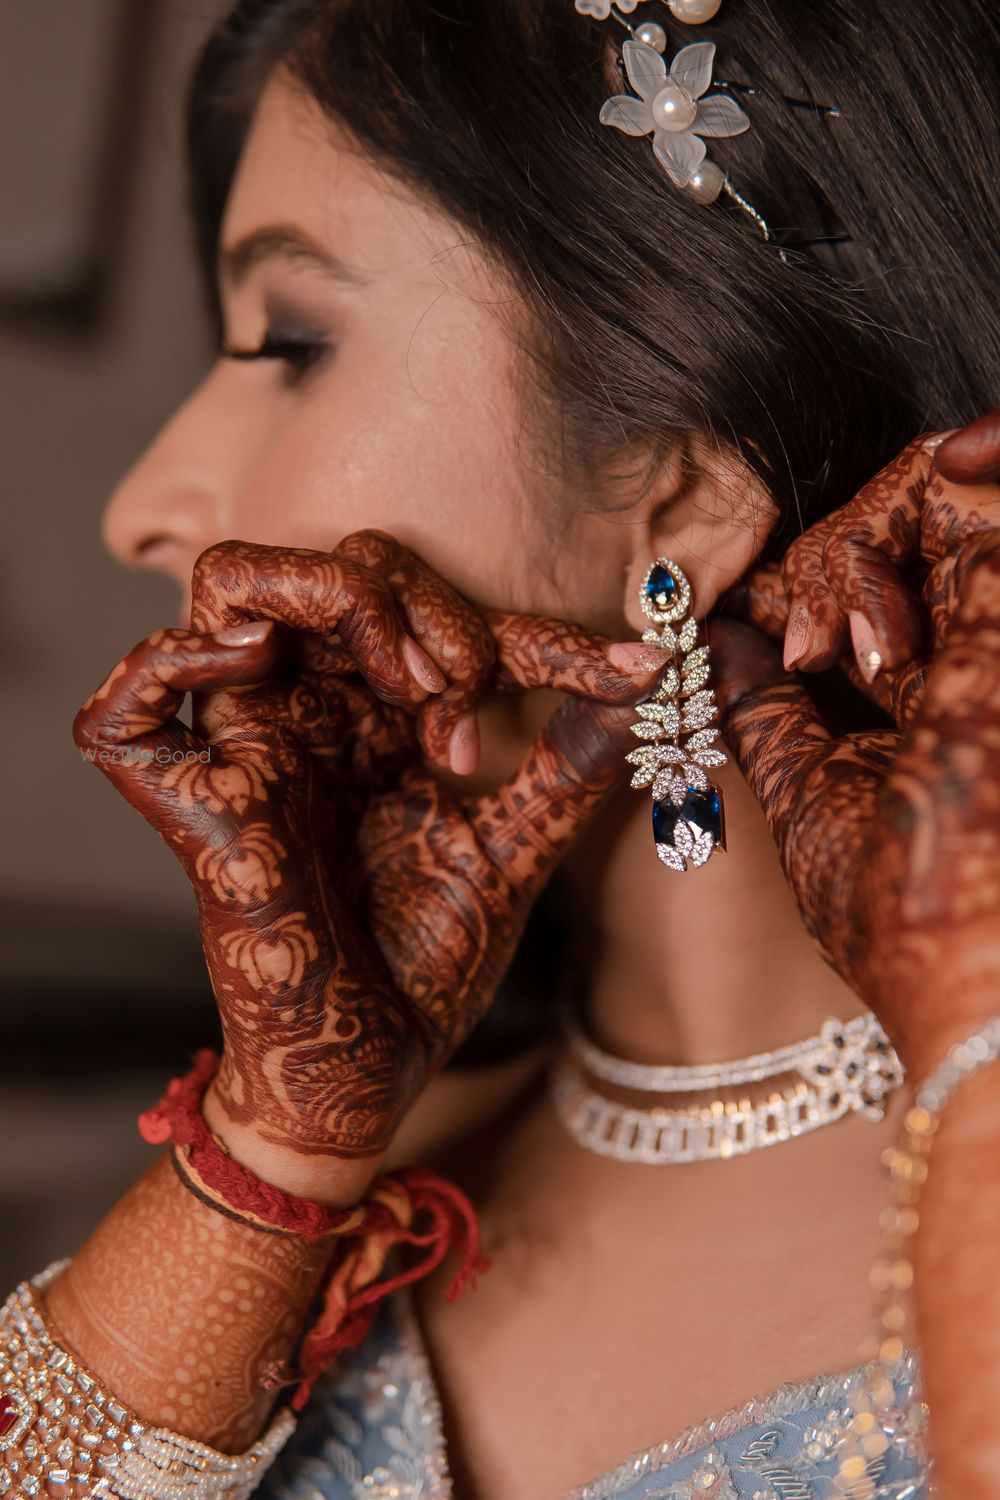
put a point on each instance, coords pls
(849, 1066)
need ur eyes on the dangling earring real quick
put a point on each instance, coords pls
(688, 817)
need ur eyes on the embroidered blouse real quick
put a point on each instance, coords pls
(373, 1431)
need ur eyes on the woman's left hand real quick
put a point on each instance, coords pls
(890, 839)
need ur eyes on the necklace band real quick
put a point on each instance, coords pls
(839, 1045)
(850, 1066)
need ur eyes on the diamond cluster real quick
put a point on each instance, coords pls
(688, 818)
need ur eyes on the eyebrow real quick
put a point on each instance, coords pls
(285, 242)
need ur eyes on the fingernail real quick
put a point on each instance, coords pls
(244, 635)
(866, 646)
(425, 673)
(797, 633)
(463, 747)
(937, 438)
(636, 656)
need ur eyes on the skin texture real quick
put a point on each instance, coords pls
(189, 1347)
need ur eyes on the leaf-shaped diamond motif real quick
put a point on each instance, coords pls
(662, 784)
(696, 678)
(688, 634)
(651, 637)
(654, 755)
(695, 776)
(648, 711)
(671, 858)
(678, 791)
(683, 837)
(709, 757)
(703, 737)
(699, 710)
(670, 685)
(696, 658)
(702, 848)
(644, 730)
(643, 777)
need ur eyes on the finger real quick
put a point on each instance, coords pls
(128, 726)
(815, 626)
(907, 514)
(536, 651)
(529, 823)
(453, 639)
(972, 455)
(235, 581)
(938, 835)
(816, 793)
(760, 599)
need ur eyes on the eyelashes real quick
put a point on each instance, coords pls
(299, 355)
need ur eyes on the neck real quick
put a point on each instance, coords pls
(703, 967)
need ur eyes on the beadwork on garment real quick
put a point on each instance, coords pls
(373, 1431)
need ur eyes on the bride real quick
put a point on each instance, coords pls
(555, 343)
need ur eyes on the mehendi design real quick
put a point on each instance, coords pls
(891, 841)
(356, 917)
(230, 1301)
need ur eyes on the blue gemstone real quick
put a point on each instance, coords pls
(702, 810)
(660, 587)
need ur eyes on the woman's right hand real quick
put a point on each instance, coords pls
(356, 916)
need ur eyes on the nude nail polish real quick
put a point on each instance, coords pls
(463, 747)
(797, 633)
(425, 673)
(635, 656)
(244, 635)
(867, 648)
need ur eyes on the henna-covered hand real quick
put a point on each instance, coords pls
(891, 839)
(873, 576)
(356, 916)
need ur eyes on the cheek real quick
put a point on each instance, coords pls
(423, 448)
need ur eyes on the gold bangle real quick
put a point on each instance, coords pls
(60, 1427)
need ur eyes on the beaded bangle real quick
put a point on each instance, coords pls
(62, 1433)
(892, 1272)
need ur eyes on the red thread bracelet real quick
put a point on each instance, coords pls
(366, 1232)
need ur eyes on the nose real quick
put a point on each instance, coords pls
(174, 501)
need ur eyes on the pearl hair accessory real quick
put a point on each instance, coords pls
(672, 105)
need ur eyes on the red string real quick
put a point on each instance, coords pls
(366, 1232)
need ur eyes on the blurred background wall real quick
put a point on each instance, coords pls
(101, 334)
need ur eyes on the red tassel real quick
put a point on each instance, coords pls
(366, 1232)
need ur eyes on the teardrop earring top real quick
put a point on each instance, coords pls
(688, 814)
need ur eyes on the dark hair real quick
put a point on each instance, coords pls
(872, 316)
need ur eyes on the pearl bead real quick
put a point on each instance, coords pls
(706, 184)
(674, 109)
(694, 12)
(652, 34)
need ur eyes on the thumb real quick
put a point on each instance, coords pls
(972, 455)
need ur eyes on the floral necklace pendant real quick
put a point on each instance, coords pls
(688, 815)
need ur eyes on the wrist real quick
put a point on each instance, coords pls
(335, 1182)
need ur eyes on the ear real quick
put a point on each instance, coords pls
(711, 515)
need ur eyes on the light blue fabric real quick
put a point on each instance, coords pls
(373, 1432)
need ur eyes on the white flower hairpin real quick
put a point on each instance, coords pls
(672, 107)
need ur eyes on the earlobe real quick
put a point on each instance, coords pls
(713, 527)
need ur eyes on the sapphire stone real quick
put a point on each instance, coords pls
(702, 810)
(660, 587)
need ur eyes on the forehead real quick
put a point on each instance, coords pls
(300, 167)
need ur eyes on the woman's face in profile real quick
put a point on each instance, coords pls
(394, 405)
